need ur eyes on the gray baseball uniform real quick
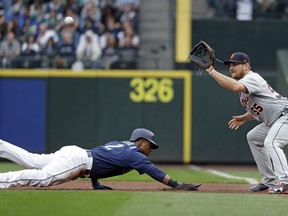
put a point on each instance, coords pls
(267, 139)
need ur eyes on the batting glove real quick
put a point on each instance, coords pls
(185, 186)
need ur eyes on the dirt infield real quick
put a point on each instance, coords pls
(144, 187)
(156, 186)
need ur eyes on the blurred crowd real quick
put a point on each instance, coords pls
(103, 35)
(249, 9)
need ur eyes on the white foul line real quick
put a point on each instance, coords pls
(225, 175)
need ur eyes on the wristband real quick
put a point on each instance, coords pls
(172, 183)
(212, 71)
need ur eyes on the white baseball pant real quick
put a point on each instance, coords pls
(266, 144)
(42, 170)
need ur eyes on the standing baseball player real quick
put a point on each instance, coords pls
(264, 104)
(72, 162)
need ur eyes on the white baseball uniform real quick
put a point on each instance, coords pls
(68, 163)
(268, 139)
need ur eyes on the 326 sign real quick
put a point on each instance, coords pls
(151, 90)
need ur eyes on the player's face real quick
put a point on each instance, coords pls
(145, 147)
(237, 70)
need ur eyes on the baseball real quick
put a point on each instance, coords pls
(68, 20)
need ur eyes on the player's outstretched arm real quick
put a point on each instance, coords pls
(179, 185)
(225, 81)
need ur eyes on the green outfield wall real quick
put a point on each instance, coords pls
(260, 39)
(45, 110)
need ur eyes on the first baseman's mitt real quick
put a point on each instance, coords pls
(203, 55)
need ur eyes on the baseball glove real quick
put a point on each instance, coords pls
(202, 55)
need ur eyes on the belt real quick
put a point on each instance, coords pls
(89, 154)
(87, 172)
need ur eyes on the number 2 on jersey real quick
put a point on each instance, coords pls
(109, 147)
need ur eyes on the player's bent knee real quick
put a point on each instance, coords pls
(254, 140)
(250, 137)
(272, 143)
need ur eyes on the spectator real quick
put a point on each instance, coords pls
(9, 51)
(104, 3)
(110, 19)
(93, 12)
(88, 50)
(30, 27)
(134, 3)
(110, 54)
(72, 29)
(75, 5)
(30, 52)
(266, 9)
(76, 20)
(3, 25)
(53, 20)
(45, 34)
(128, 31)
(6, 5)
(244, 10)
(37, 11)
(127, 53)
(57, 6)
(48, 53)
(66, 52)
(30, 47)
(17, 13)
(12, 27)
(69, 29)
(128, 13)
(89, 25)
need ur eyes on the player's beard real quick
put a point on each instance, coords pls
(237, 75)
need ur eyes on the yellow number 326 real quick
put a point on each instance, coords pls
(151, 90)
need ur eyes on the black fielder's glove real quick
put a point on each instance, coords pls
(202, 55)
(186, 186)
(97, 186)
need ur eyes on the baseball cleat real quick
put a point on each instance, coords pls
(281, 189)
(259, 187)
(272, 190)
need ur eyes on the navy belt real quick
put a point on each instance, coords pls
(89, 153)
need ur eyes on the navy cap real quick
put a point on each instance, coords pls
(238, 57)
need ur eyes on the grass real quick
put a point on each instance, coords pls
(114, 203)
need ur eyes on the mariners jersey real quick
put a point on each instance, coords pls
(262, 101)
(116, 158)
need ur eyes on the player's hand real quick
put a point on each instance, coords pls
(236, 122)
(186, 186)
(101, 187)
(211, 68)
(97, 186)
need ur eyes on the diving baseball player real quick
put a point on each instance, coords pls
(264, 104)
(72, 162)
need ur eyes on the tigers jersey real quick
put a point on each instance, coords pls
(262, 101)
